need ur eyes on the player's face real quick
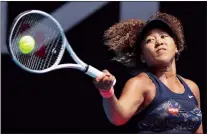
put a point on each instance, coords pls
(158, 48)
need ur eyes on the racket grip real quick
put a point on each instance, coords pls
(93, 72)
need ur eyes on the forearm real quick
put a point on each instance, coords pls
(119, 111)
(114, 111)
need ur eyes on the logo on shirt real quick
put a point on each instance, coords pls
(173, 111)
(190, 96)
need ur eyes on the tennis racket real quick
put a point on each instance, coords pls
(50, 44)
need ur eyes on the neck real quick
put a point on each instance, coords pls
(168, 71)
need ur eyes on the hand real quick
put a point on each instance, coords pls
(105, 81)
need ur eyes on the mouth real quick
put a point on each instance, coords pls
(160, 49)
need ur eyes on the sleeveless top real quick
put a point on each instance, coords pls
(170, 112)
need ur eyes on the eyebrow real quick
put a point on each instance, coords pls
(160, 33)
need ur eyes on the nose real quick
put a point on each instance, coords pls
(158, 42)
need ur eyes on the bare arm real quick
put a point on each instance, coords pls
(119, 111)
(194, 88)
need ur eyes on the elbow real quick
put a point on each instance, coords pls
(117, 121)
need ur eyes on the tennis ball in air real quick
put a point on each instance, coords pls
(26, 44)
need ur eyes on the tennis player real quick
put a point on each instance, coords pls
(161, 100)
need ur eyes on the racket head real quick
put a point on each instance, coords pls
(49, 39)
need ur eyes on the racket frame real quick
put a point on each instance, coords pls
(88, 69)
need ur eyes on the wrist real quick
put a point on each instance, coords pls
(107, 93)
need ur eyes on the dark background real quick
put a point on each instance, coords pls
(66, 100)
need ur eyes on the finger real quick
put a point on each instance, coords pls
(111, 79)
(106, 80)
(106, 71)
(100, 77)
(110, 76)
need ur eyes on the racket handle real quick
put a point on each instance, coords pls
(93, 72)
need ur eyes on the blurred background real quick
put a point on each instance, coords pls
(66, 101)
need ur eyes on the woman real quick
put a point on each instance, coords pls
(161, 100)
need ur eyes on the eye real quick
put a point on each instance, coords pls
(149, 40)
(164, 36)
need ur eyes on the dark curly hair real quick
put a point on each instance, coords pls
(124, 38)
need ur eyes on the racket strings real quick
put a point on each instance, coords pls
(50, 54)
(18, 34)
(52, 58)
(32, 59)
(52, 42)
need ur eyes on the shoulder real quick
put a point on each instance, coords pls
(194, 88)
(140, 78)
(141, 81)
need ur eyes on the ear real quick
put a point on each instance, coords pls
(176, 50)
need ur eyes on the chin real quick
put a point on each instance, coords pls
(163, 61)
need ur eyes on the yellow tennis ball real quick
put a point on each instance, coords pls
(26, 44)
